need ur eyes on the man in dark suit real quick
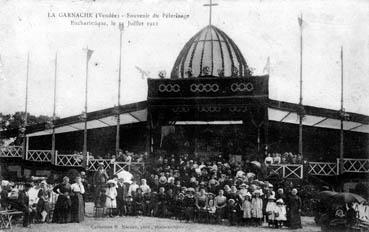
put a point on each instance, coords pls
(122, 191)
(23, 200)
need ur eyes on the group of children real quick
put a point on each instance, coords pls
(240, 208)
(276, 212)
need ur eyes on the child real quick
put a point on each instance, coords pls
(211, 207)
(257, 208)
(111, 197)
(138, 202)
(246, 208)
(147, 203)
(280, 213)
(270, 211)
(179, 207)
(232, 212)
(130, 205)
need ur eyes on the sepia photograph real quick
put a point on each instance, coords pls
(184, 115)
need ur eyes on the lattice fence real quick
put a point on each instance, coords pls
(11, 151)
(68, 160)
(355, 165)
(294, 171)
(323, 169)
(136, 168)
(39, 155)
(93, 164)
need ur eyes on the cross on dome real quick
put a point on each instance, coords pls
(210, 5)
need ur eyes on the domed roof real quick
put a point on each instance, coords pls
(210, 53)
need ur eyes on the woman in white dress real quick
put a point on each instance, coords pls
(257, 208)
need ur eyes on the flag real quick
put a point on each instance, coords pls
(267, 66)
(142, 72)
(300, 20)
(89, 54)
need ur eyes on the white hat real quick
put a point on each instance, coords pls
(4, 183)
(280, 200)
(111, 182)
(257, 192)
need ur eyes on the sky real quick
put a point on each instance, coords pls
(260, 28)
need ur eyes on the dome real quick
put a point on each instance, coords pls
(210, 53)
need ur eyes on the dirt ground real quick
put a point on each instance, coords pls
(148, 224)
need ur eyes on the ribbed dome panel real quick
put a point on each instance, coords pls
(210, 53)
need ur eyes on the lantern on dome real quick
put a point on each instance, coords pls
(189, 72)
(220, 72)
(162, 74)
(206, 71)
(234, 71)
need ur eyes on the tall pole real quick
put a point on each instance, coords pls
(117, 139)
(342, 110)
(300, 100)
(54, 107)
(89, 53)
(24, 142)
(26, 103)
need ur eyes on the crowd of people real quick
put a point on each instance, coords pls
(42, 202)
(178, 187)
(206, 191)
(284, 158)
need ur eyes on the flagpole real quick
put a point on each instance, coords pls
(54, 108)
(24, 142)
(117, 139)
(26, 103)
(85, 111)
(300, 100)
(342, 112)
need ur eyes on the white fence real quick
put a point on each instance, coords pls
(11, 152)
(355, 165)
(68, 160)
(39, 155)
(287, 170)
(133, 167)
(283, 170)
(323, 168)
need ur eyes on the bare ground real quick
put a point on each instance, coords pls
(149, 224)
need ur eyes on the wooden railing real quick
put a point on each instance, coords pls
(133, 167)
(68, 160)
(39, 155)
(11, 151)
(323, 168)
(355, 165)
(93, 164)
(345, 165)
(287, 170)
